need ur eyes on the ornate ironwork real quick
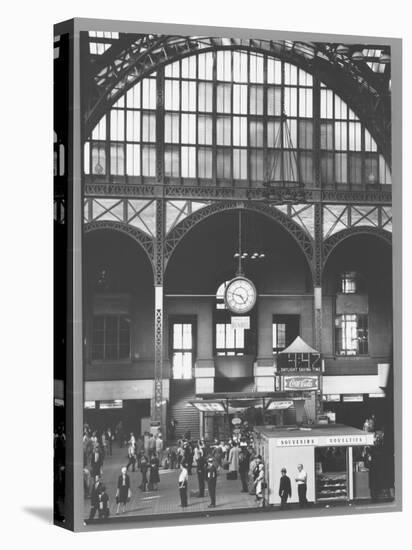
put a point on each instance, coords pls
(330, 243)
(369, 196)
(144, 240)
(298, 233)
(158, 381)
(94, 189)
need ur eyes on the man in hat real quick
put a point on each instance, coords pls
(211, 478)
(285, 489)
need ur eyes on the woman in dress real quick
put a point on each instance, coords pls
(123, 492)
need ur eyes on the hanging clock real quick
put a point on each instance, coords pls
(240, 295)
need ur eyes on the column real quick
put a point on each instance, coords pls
(264, 368)
(317, 294)
(205, 364)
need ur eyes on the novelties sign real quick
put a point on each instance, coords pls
(300, 383)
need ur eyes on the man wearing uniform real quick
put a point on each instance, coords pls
(211, 477)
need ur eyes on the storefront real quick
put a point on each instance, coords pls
(335, 459)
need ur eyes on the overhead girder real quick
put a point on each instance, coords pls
(134, 57)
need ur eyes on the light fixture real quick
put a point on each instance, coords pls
(385, 58)
(342, 49)
(357, 56)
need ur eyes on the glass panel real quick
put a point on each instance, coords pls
(223, 98)
(275, 160)
(274, 101)
(291, 74)
(370, 144)
(99, 132)
(177, 336)
(223, 163)
(133, 126)
(384, 172)
(355, 168)
(239, 164)
(305, 134)
(149, 93)
(274, 71)
(256, 165)
(87, 157)
(223, 68)
(341, 136)
(133, 160)
(172, 95)
(341, 109)
(172, 162)
(239, 99)
(256, 100)
(326, 103)
(223, 130)
(371, 168)
(205, 66)
(290, 166)
(116, 125)
(240, 60)
(240, 131)
(326, 168)
(205, 129)
(305, 102)
(220, 336)
(188, 96)
(204, 162)
(205, 90)
(188, 162)
(173, 70)
(305, 79)
(230, 337)
(341, 168)
(187, 336)
(172, 128)
(98, 159)
(149, 127)
(256, 133)
(149, 160)
(326, 135)
(188, 128)
(239, 338)
(256, 68)
(355, 142)
(306, 167)
(117, 159)
(274, 134)
(291, 95)
(290, 138)
(189, 67)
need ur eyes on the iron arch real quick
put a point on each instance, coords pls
(146, 242)
(302, 238)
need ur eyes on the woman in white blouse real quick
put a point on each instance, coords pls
(183, 480)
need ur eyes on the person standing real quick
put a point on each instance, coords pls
(103, 503)
(152, 444)
(285, 489)
(183, 481)
(146, 439)
(144, 465)
(94, 497)
(154, 478)
(188, 456)
(159, 448)
(96, 461)
(211, 478)
(201, 474)
(244, 468)
(233, 461)
(260, 485)
(131, 451)
(110, 438)
(123, 492)
(301, 480)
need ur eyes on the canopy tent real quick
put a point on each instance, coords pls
(299, 346)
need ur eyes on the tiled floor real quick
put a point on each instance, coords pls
(166, 499)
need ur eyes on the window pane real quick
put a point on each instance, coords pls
(187, 336)
(220, 336)
(149, 93)
(172, 161)
(355, 168)
(188, 162)
(172, 95)
(117, 159)
(370, 143)
(204, 162)
(98, 159)
(290, 134)
(116, 125)
(87, 157)
(291, 101)
(205, 66)
(223, 98)
(149, 127)
(133, 160)
(239, 163)
(355, 143)
(306, 167)
(274, 101)
(205, 91)
(240, 131)
(256, 165)
(188, 128)
(341, 109)
(326, 103)
(177, 336)
(256, 133)
(371, 168)
(291, 74)
(341, 168)
(133, 97)
(173, 70)
(341, 136)
(223, 65)
(240, 60)
(305, 102)
(223, 130)
(239, 99)
(326, 168)
(133, 126)
(326, 135)
(223, 163)
(305, 134)
(189, 67)
(188, 96)
(256, 100)
(172, 128)
(274, 71)
(274, 134)
(99, 132)
(149, 160)
(204, 131)
(256, 68)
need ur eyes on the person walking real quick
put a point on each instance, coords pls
(94, 496)
(154, 478)
(144, 466)
(211, 478)
(244, 468)
(285, 489)
(131, 451)
(183, 482)
(96, 461)
(152, 444)
(301, 480)
(159, 448)
(123, 492)
(201, 474)
(110, 438)
(103, 497)
(188, 456)
(233, 461)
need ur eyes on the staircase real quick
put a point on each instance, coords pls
(182, 391)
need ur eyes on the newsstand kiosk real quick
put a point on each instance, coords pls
(330, 455)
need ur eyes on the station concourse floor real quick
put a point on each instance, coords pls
(166, 499)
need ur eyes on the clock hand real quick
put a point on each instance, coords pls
(240, 296)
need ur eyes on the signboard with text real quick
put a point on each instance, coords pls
(300, 383)
(240, 323)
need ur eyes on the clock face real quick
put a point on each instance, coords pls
(240, 295)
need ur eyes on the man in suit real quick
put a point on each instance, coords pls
(211, 477)
(94, 496)
(285, 489)
(201, 474)
(244, 459)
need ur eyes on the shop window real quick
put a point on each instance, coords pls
(229, 341)
(182, 348)
(351, 334)
(111, 338)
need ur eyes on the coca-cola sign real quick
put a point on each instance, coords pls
(300, 383)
